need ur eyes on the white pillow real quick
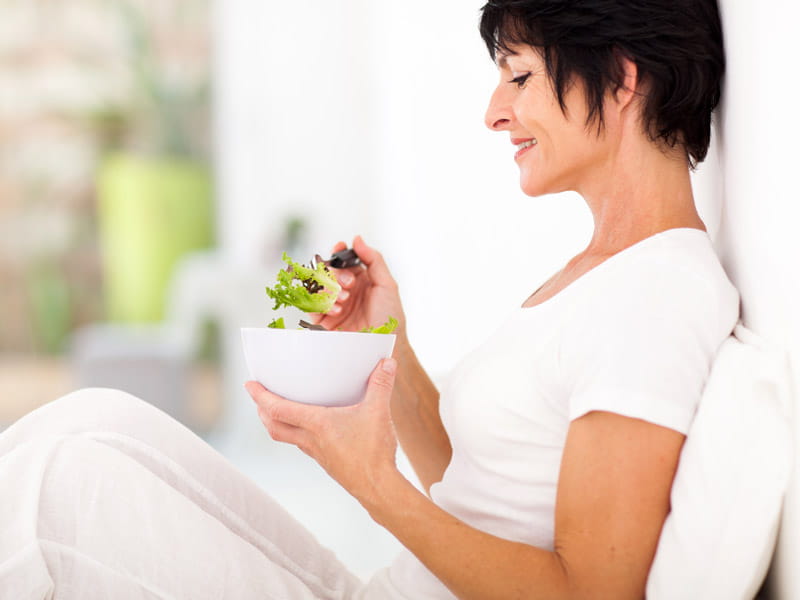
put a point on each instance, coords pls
(718, 539)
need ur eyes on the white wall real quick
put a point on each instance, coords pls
(292, 115)
(758, 239)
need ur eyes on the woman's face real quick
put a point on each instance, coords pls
(555, 152)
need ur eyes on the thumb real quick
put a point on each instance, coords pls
(381, 382)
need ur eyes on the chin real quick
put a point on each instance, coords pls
(534, 188)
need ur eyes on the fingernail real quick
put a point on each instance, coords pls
(343, 295)
(335, 310)
(389, 365)
(346, 278)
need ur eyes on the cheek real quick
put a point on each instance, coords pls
(573, 145)
(563, 155)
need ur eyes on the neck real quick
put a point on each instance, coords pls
(638, 191)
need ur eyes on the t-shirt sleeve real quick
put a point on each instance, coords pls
(643, 346)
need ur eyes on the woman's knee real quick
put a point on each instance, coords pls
(98, 401)
(89, 409)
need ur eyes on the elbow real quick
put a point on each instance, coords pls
(599, 582)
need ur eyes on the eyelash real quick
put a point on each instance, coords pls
(520, 80)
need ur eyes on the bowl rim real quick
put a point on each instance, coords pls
(316, 332)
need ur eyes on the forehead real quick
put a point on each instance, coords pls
(521, 51)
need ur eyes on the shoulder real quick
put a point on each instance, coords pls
(641, 339)
(676, 276)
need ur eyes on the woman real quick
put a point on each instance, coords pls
(548, 460)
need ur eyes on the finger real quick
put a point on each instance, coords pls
(332, 323)
(282, 432)
(327, 320)
(319, 319)
(280, 409)
(336, 314)
(378, 270)
(381, 381)
(344, 277)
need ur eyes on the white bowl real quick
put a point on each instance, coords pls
(328, 368)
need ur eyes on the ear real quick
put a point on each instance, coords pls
(629, 81)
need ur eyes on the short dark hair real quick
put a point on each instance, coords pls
(677, 47)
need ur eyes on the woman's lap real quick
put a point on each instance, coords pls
(101, 489)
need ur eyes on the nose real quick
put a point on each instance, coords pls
(499, 114)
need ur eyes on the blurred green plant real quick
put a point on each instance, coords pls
(154, 185)
(152, 211)
(209, 350)
(295, 233)
(50, 304)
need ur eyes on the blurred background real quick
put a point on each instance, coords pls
(105, 183)
(157, 157)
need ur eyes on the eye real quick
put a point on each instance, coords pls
(520, 79)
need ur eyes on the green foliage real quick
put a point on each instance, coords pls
(387, 327)
(311, 289)
(51, 306)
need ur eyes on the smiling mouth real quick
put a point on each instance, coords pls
(524, 146)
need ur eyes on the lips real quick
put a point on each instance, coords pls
(523, 145)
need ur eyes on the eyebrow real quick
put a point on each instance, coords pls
(502, 59)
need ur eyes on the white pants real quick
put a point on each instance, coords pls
(104, 496)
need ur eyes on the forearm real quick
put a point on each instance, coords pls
(471, 563)
(415, 412)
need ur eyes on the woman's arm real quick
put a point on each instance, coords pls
(613, 497)
(415, 413)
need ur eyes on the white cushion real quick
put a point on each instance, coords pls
(734, 469)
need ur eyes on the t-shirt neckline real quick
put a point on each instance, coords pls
(625, 251)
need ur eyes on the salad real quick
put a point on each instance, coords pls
(313, 289)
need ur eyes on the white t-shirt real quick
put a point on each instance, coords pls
(635, 336)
